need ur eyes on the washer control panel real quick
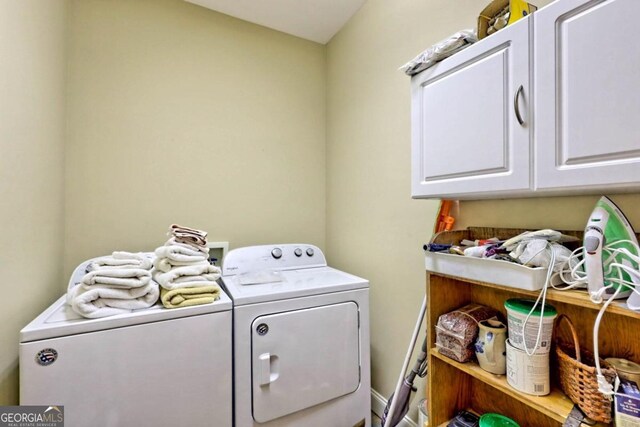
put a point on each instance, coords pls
(288, 256)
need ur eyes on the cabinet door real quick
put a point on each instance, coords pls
(587, 106)
(467, 141)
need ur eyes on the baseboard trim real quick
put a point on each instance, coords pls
(378, 403)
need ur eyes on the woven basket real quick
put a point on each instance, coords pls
(578, 376)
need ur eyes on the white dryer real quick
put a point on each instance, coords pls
(301, 339)
(153, 367)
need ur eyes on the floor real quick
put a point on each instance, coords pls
(375, 421)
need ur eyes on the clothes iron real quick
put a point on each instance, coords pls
(608, 239)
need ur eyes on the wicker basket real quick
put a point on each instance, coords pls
(578, 376)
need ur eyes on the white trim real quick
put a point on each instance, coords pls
(378, 403)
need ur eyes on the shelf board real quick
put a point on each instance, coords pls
(574, 297)
(556, 405)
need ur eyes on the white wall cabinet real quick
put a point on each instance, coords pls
(481, 129)
(467, 137)
(587, 88)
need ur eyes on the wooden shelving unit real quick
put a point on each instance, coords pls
(454, 386)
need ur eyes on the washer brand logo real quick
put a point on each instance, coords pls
(31, 416)
(46, 356)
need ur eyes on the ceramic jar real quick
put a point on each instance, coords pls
(491, 350)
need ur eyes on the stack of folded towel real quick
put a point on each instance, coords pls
(112, 285)
(183, 270)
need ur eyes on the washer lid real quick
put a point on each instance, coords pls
(279, 285)
(60, 320)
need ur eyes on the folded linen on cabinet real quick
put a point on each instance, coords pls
(186, 297)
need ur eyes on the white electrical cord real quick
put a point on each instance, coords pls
(572, 274)
(603, 385)
(543, 295)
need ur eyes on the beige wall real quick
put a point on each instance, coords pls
(32, 52)
(373, 227)
(180, 114)
(177, 113)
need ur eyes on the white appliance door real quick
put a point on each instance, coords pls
(169, 373)
(303, 358)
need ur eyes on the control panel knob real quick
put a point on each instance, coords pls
(276, 253)
(298, 252)
(309, 251)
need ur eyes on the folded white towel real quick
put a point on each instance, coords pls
(166, 264)
(185, 276)
(180, 253)
(122, 260)
(200, 248)
(125, 278)
(97, 301)
(185, 282)
(82, 269)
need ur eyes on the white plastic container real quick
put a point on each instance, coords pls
(500, 272)
(517, 311)
(528, 374)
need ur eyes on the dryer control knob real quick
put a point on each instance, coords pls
(276, 253)
(309, 251)
(298, 252)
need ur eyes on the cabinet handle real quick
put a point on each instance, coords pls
(516, 105)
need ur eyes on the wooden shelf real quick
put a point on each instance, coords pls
(453, 386)
(555, 405)
(578, 298)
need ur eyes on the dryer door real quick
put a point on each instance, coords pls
(303, 358)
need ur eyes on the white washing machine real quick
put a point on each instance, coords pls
(301, 339)
(153, 367)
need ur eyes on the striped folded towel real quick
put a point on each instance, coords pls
(190, 236)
